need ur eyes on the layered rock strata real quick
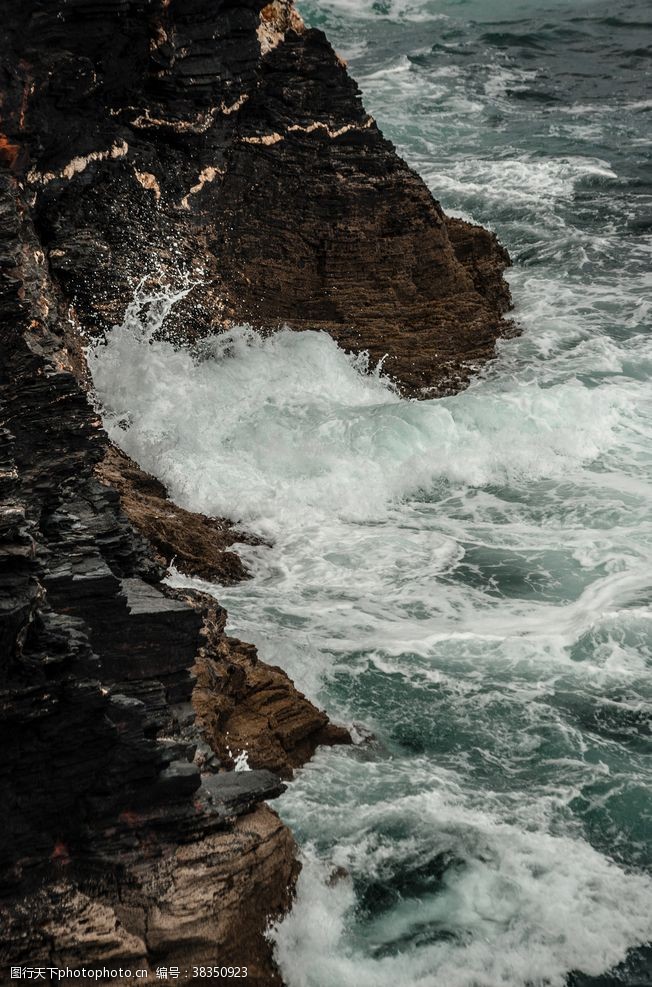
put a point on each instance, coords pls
(124, 839)
(225, 141)
(166, 139)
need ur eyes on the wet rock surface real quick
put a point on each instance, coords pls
(246, 706)
(225, 143)
(237, 792)
(116, 844)
(196, 545)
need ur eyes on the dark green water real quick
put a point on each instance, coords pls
(533, 119)
(469, 581)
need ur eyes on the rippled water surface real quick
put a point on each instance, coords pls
(466, 581)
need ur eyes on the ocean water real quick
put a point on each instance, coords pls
(465, 582)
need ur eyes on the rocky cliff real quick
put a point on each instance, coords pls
(162, 139)
(122, 840)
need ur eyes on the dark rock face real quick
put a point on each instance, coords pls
(154, 136)
(223, 141)
(119, 841)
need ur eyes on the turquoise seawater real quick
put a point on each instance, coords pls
(465, 582)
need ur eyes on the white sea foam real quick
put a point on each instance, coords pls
(525, 182)
(524, 908)
(337, 441)
(464, 582)
(410, 11)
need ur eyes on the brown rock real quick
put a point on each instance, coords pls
(114, 849)
(197, 545)
(207, 902)
(243, 704)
